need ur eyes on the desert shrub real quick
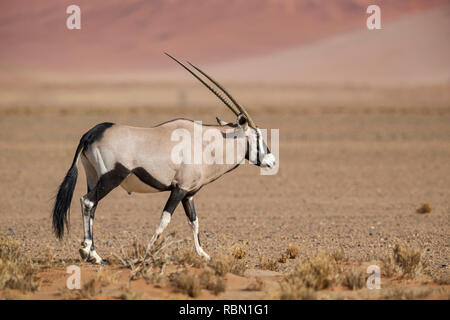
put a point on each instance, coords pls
(424, 208)
(353, 279)
(189, 258)
(291, 252)
(143, 260)
(91, 288)
(267, 263)
(239, 251)
(317, 272)
(16, 270)
(283, 258)
(339, 255)
(404, 261)
(296, 291)
(222, 264)
(186, 283)
(191, 284)
(212, 282)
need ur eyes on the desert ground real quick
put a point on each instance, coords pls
(364, 147)
(355, 164)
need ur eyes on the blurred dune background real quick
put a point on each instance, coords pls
(269, 52)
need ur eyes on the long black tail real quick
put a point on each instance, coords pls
(64, 197)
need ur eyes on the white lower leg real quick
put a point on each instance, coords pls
(164, 221)
(87, 243)
(198, 248)
(87, 252)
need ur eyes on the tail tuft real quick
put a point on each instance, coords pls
(63, 200)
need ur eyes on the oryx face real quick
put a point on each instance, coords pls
(258, 151)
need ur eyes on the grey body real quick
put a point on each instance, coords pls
(150, 149)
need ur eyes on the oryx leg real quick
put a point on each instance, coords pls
(96, 192)
(189, 209)
(176, 196)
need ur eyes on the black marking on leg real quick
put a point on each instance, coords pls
(189, 209)
(91, 228)
(175, 197)
(108, 182)
(148, 179)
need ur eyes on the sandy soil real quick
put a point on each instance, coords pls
(350, 179)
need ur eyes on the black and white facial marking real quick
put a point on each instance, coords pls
(258, 152)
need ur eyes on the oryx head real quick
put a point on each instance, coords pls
(258, 152)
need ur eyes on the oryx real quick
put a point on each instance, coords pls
(139, 160)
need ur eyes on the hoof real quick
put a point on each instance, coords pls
(84, 253)
(95, 258)
(101, 262)
(204, 255)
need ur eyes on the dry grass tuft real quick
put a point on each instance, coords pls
(424, 208)
(296, 291)
(283, 258)
(143, 260)
(191, 284)
(186, 283)
(190, 258)
(354, 279)
(16, 270)
(271, 264)
(92, 288)
(404, 261)
(213, 283)
(317, 272)
(291, 252)
(223, 263)
(339, 255)
(239, 251)
(89, 290)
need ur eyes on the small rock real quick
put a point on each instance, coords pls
(109, 243)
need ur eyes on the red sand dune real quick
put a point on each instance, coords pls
(119, 35)
(412, 50)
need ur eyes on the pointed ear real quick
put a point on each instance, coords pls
(242, 122)
(220, 122)
(224, 123)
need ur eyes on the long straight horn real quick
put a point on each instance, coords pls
(242, 109)
(218, 95)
